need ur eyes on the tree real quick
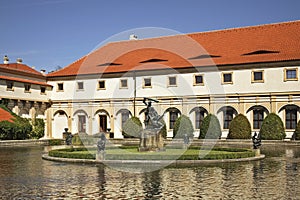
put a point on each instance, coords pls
(132, 128)
(239, 128)
(182, 126)
(297, 131)
(272, 128)
(210, 128)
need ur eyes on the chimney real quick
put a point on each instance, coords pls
(19, 60)
(5, 59)
(43, 71)
(133, 37)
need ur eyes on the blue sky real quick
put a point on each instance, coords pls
(51, 33)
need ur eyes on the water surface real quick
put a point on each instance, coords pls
(24, 175)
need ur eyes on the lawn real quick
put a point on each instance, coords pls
(131, 153)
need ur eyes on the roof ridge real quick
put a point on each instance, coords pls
(241, 28)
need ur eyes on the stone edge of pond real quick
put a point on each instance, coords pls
(163, 162)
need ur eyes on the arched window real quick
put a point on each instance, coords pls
(291, 115)
(228, 114)
(259, 113)
(173, 115)
(199, 115)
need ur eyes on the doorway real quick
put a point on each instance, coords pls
(103, 123)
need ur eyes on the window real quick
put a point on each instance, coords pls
(125, 117)
(101, 85)
(60, 87)
(172, 81)
(257, 77)
(198, 118)
(291, 74)
(80, 86)
(9, 85)
(173, 118)
(43, 90)
(27, 87)
(258, 118)
(227, 78)
(123, 83)
(81, 124)
(228, 116)
(290, 118)
(147, 82)
(198, 80)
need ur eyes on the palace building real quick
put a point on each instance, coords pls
(248, 70)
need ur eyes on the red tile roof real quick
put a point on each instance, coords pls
(19, 67)
(256, 44)
(5, 115)
(24, 80)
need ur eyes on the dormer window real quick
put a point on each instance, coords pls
(27, 87)
(9, 85)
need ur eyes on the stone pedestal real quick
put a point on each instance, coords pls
(100, 155)
(151, 140)
(257, 152)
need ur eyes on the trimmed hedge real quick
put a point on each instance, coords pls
(183, 125)
(132, 128)
(272, 128)
(210, 128)
(239, 128)
(190, 154)
(297, 131)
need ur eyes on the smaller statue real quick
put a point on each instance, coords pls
(186, 139)
(69, 137)
(256, 141)
(101, 143)
(101, 147)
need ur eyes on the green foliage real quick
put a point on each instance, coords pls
(38, 128)
(297, 131)
(19, 129)
(131, 153)
(163, 130)
(54, 142)
(132, 128)
(183, 125)
(210, 128)
(239, 128)
(272, 128)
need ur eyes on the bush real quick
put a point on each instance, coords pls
(239, 128)
(132, 128)
(210, 128)
(183, 125)
(38, 128)
(297, 131)
(272, 128)
(19, 129)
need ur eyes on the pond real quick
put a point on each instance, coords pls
(24, 175)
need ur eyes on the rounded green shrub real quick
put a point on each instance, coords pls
(38, 128)
(163, 130)
(297, 131)
(182, 126)
(239, 128)
(210, 128)
(132, 128)
(272, 128)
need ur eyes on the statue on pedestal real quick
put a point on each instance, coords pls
(151, 138)
(101, 147)
(69, 136)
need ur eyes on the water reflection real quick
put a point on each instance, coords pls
(24, 175)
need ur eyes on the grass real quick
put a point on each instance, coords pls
(131, 153)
